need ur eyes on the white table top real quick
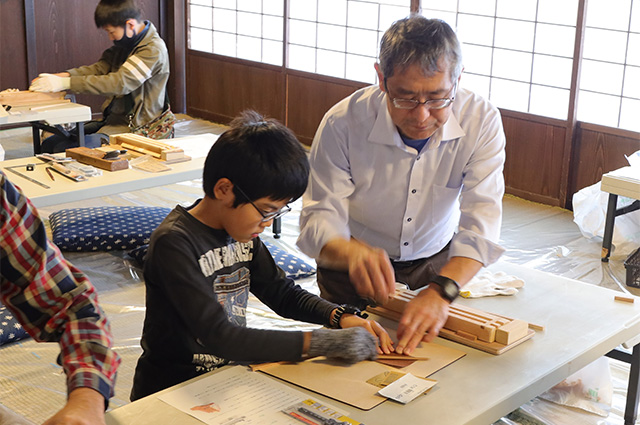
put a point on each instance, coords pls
(64, 190)
(582, 322)
(624, 181)
(60, 113)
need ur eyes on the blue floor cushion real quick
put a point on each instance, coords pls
(10, 329)
(105, 228)
(293, 266)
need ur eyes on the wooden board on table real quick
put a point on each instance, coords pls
(137, 145)
(475, 328)
(95, 158)
(349, 383)
(31, 98)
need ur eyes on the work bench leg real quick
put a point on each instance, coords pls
(631, 408)
(277, 227)
(35, 135)
(80, 126)
(608, 228)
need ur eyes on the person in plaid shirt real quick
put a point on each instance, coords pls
(54, 301)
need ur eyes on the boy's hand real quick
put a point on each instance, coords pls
(50, 83)
(373, 327)
(350, 345)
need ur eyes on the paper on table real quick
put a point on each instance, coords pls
(406, 388)
(195, 146)
(235, 395)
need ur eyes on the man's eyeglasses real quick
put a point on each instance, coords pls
(430, 104)
(265, 216)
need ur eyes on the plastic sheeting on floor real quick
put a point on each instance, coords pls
(535, 235)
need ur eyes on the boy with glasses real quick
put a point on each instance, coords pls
(406, 183)
(204, 260)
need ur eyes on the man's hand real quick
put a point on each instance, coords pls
(422, 319)
(385, 344)
(84, 407)
(371, 272)
(50, 83)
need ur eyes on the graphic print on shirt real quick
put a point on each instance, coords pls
(232, 292)
(225, 256)
(207, 362)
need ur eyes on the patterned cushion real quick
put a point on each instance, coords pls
(105, 228)
(10, 329)
(293, 266)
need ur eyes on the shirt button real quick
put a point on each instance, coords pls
(417, 158)
(409, 220)
(413, 191)
(406, 244)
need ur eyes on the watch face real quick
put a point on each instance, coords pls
(449, 288)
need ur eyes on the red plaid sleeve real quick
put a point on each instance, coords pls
(52, 299)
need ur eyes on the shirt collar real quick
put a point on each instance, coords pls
(384, 131)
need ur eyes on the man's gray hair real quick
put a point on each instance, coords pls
(416, 40)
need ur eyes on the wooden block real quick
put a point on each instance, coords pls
(170, 155)
(139, 149)
(94, 157)
(623, 299)
(30, 98)
(536, 327)
(512, 331)
(482, 332)
(466, 335)
(147, 146)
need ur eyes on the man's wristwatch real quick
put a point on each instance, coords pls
(449, 288)
(348, 309)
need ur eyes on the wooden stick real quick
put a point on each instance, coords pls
(623, 299)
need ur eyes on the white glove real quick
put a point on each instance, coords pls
(486, 284)
(50, 83)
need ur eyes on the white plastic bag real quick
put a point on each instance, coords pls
(590, 212)
(589, 389)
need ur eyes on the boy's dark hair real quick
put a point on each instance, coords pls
(261, 156)
(116, 13)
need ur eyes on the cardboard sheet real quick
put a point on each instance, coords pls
(348, 383)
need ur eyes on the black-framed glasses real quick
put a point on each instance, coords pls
(265, 216)
(430, 103)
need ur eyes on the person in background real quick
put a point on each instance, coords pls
(205, 259)
(406, 183)
(133, 74)
(55, 302)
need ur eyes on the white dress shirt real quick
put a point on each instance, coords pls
(367, 184)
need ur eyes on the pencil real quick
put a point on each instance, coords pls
(50, 173)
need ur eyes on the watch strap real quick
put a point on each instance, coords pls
(449, 288)
(345, 309)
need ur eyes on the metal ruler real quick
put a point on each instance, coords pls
(24, 176)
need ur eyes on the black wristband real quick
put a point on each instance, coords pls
(348, 309)
(449, 288)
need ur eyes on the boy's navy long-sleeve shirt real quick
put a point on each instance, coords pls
(198, 281)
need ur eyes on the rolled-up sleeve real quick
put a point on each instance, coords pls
(53, 300)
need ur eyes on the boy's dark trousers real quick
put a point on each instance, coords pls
(63, 139)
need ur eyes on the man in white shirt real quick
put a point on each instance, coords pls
(406, 183)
